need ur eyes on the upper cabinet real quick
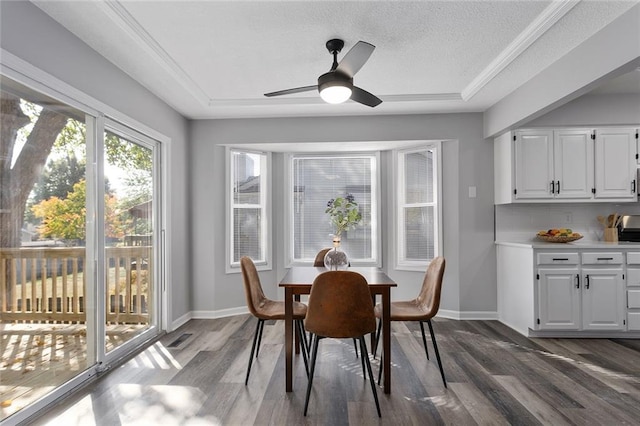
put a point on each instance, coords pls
(616, 163)
(568, 165)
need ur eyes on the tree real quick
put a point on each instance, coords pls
(65, 218)
(17, 180)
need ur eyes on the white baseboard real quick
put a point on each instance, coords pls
(467, 315)
(222, 313)
(179, 322)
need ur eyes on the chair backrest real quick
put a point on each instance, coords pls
(319, 260)
(429, 297)
(340, 305)
(252, 287)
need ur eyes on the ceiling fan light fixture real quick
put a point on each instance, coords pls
(335, 88)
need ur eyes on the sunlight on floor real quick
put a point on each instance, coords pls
(146, 405)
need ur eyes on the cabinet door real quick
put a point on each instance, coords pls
(559, 299)
(603, 306)
(534, 164)
(573, 163)
(615, 163)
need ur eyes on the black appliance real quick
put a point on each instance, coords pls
(629, 229)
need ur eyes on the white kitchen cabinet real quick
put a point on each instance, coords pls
(615, 163)
(559, 298)
(554, 164)
(565, 165)
(534, 164)
(603, 306)
(548, 290)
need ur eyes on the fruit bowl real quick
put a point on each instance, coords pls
(562, 235)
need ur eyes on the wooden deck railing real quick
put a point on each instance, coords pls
(49, 284)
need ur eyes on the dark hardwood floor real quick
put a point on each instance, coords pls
(495, 376)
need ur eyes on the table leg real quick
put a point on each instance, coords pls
(386, 338)
(296, 345)
(288, 337)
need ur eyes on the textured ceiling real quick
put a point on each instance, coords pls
(213, 59)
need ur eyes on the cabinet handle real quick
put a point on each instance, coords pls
(586, 282)
(577, 280)
(560, 258)
(605, 258)
(558, 189)
(633, 186)
(553, 187)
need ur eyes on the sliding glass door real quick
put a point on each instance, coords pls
(80, 256)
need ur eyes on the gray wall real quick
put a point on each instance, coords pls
(30, 34)
(594, 110)
(468, 223)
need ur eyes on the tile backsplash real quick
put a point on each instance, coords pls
(518, 222)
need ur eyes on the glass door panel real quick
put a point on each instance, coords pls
(130, 241)
(44, 266)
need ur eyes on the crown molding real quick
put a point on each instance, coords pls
(120, 16)
(552, 14)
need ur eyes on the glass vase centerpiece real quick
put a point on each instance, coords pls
(344, 214)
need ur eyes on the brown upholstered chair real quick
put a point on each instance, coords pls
(266, 309)
(319, 260)
(340, 306)
(421, 309)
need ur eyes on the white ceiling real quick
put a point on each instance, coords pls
(216, 59)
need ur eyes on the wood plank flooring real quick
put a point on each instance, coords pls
(495, 377)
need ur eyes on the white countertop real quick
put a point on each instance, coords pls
(580, 244)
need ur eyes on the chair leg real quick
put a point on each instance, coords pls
(253, 348)
(259, 337)
(300, 331)
(378, 333)
(355, 346)
(435, 347)
(424, 339)
(381, 367)
(314, 341)
(365, 359)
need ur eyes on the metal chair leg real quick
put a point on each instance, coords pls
(378, 332)
(314, 356)
(365, 358)
(259, 337)
(424, 339)
(435, 347)
(355, 345)
(253, 348)
(300, 331)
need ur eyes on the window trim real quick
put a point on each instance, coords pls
(265, 204)
(401, 263)
(375, 212)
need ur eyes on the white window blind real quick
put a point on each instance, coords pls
(418, 213)
(248, 206)
(318, 179)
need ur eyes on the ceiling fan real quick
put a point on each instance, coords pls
(336, 86)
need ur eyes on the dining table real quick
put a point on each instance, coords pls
(298, 281)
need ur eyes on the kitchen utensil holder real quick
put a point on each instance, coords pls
(611, 235)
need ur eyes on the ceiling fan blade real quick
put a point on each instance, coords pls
(364, 97)
(291, 91)
(355, 58)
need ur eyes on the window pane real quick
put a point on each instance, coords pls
(419, 233)
(418, 176)
(247, 235)
(316, 181)
(246, 178)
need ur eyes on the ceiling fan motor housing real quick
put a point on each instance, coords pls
(334, 78)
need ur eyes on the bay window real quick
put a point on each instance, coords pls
(317, 179)
(418, 215)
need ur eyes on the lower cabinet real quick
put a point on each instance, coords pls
(587, 296)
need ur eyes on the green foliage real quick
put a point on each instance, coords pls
(65, 218)
(127, 155)
(344, 213)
